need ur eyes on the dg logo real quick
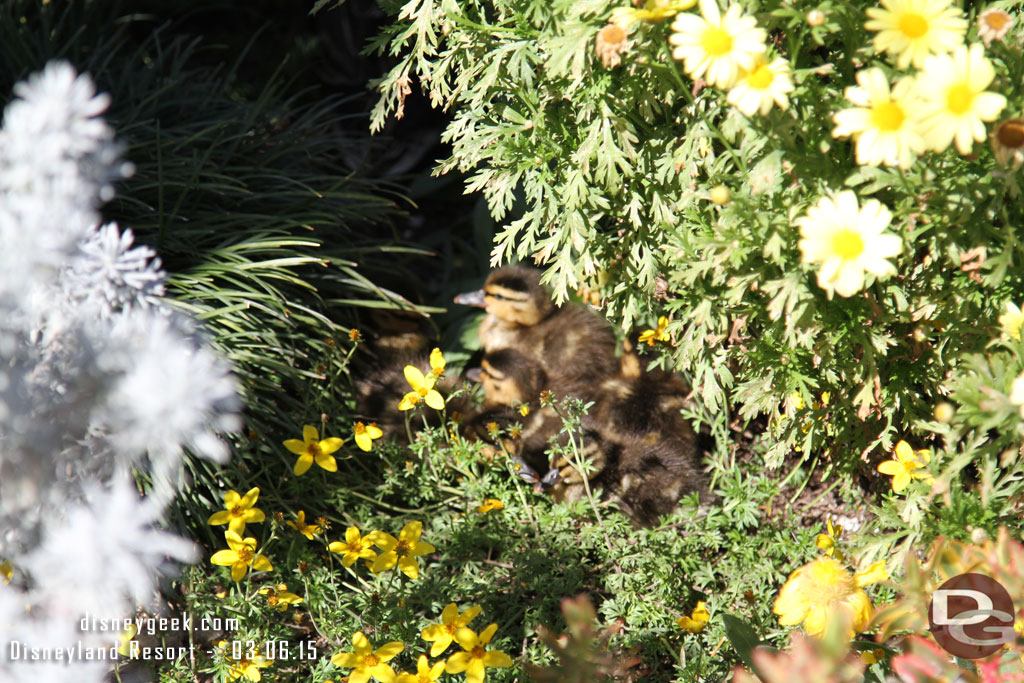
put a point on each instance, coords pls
(971, 616)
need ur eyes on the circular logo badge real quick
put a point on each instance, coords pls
(971, 616)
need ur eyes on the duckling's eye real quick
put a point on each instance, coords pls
(499, 297)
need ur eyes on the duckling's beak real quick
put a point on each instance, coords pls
(472, 299)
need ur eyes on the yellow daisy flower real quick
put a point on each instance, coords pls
(365, 662)
(366, 433)
(912, 30)
(311, 450)
(238, 511)
(240, 555)
(652, 10)
(476, 658)
(824, 590)
(954, 102)
(422, 390)
(355, 547)
(765, 84)
(425, 673)
(402, 550)
(848, 241)
(307, 530)
(885, 124)
(279, 598)
(697, 620)
(249, 669)
(902, 468)
(717, 47)
(442, 635)
(828, 540)
(489, 505)
(659, 335)
(1011, 321)
(993, 25)
(124, 642)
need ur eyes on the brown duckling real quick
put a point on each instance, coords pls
(573, 344)
(643, 451)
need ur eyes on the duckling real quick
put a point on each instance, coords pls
(644, 453)
(574, 345)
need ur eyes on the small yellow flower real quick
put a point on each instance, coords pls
(954, 99)
(124, 640)
(247, 668)
(716, 47)
(884, 123)
(355, 547)
(649, 337)
(365, 434)
(355, 335)
(442, 635)
(652, 10)
(422, 390)
(823, 590)
(827, 541)
(490, 504)
(993, 25)
(524, 409)
(307, 530)
(238, 511)
(1012, 321)
(848, 240)
(6, 571)
(402, 550)
(279, 598)
(697, 620)
(476, 658)
(311, 450)
(1008, 143)
(610, 43)
(763, 85)
(240, 556)
(425, 673)
(869, 657)
(437, 363)
(914, 29)
(902, 468)
(365, 662)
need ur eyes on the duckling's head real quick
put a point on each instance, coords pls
(512, 294)
(509, 377)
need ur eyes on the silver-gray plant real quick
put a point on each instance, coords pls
(97, 377)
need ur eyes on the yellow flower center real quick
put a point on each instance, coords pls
(913, 25)
(847, 243)
(887, 116)
(478, 652)
(717, 42)
(828, 582)
(370, 661)
(403, 548)
(313, 448)
(452, 627)
(360, 428)
(959, 98)
(245, 555)
(613, 34)
(1011, 134)
(271, 600)
(996, 20)
(237, 511)
(759, 79)
(422, 391)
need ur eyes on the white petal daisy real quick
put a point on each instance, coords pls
(762, 86)
(714, 46)
(848, 241)
(911, 30)
(885, 124)
(954, 100)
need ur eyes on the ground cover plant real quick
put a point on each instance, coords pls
(808, 210)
